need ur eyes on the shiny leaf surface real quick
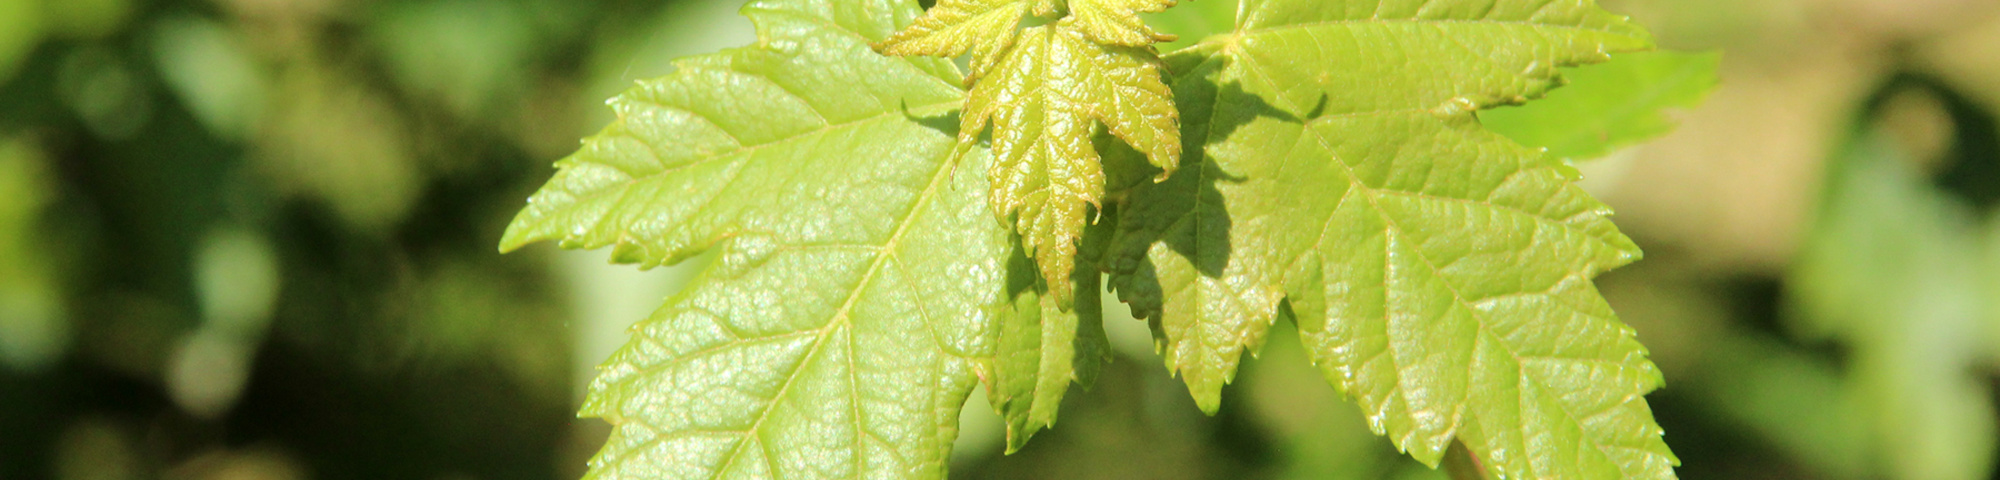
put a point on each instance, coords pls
(1439, 274)
(853, 299)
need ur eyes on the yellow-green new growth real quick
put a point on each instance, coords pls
(1041, 102)
(1116, 22)
(1043, 89)
(984, 28)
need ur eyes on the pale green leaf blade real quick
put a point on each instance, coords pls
(1610, 105)
(657, 184)
(842, 326)
(1440, 273)
(813, 360)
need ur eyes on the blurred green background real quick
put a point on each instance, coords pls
(254, 239)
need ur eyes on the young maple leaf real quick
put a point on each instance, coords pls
(1049, 85)
(984, 28)
(1116, 22)
(1041, 102)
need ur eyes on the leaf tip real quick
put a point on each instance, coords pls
(518, 235)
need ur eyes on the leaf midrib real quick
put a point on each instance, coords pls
(841, 318)
(1371, 195)
(743, 152)
(1485, 332)
(1227, 45)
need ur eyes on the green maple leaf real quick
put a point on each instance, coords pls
(1043, 89)
(1610, 105)
(862, 287)
(1439, 274)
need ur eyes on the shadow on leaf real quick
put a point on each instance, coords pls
(1186, 212)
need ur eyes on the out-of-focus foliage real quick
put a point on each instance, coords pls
(20, 28)
(273, 219)
(1894, 270)
(33, 330)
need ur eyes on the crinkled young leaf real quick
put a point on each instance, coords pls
(1044, 89)
(984, 28)
(1610, 105)
(1117, 22)
(987, 28)
(1439, 273)
(1043, 102)
(842, 326)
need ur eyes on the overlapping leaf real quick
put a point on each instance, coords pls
(1044, 347)
(1440, 274)
(1043, 89)
(852, 305)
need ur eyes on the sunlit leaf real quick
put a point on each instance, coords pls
(1043, 90)
(860, 281)
(1440, 274)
